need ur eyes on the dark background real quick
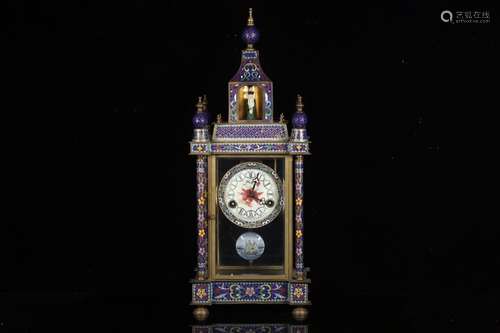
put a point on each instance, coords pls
(101, 209)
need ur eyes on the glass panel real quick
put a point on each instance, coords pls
(243, 250)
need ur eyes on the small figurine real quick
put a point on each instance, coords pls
(249, 96)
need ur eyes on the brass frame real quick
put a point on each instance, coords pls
(212, 226)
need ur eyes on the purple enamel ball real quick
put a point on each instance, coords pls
(200, 119)
(250, 35)
(299, 120)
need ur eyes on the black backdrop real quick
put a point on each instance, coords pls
(103, 195)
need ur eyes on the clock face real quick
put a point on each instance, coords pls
(250, 195)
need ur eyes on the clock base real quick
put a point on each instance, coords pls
(200, 313)
(210, 292)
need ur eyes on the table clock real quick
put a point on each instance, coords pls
(250, 198)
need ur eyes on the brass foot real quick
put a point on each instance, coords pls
(200, 313)
(300, 313)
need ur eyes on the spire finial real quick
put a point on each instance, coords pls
(250, 17)
(205, 102)
(199, 105)
(201, 118)
(300, 105)
(299, 119)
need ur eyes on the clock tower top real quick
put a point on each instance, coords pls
(250, 89)
(250, 126)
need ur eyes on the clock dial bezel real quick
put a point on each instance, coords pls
(278, 208)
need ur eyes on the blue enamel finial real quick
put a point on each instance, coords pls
(250, 33)
(299, 118)
(201, 117)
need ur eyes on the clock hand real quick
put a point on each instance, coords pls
(255, 181)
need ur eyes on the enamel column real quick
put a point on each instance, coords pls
(299, 216)
(201, 196)
(200, 137)
(299, 142)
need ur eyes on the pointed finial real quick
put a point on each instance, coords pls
(219, 118)
(250, 17)
(205, 102)
(200, 118)
(199, 105)
(300, 105)
(299, 118)
(282, 118)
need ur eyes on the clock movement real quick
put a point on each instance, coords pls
(250, 198)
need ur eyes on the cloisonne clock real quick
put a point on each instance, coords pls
(250, 196)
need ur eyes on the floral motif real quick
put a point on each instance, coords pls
(201, 293)
(250, 291)
(201, 233)
(298, 149)
(298, 292)
(199, 148)
(298, 233)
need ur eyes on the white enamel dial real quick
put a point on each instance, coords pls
(250, 195)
